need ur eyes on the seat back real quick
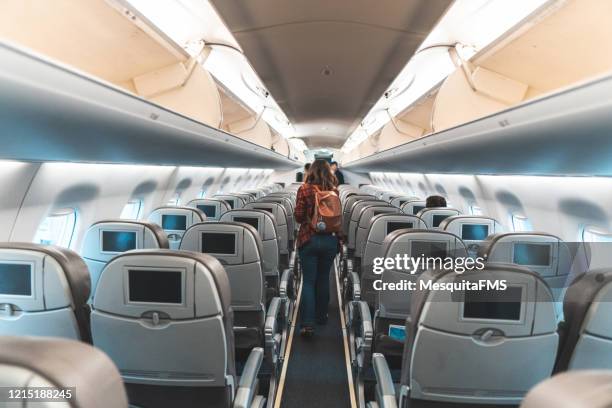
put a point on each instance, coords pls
(479, 331)
(545, 254)
(282, 225)
(355, 215)
(232, 201)
(381, 226)
(587, 337)
(175, 221)
(472, 229)
(395, 304)
(364, 222)
(413, 206)
(239, 249)
(43, 292)
(265, 224)
(389, 195)
(164, 318)
(399, 201)
(213, 208)
(289, 208)
(89, 375)
(246, 197)
(347, 206)
(576, 389)
(433, 217)
(106, 239)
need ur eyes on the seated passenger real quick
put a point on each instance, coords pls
(435, 201)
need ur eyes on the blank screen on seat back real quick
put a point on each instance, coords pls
(218, 243)
(15, 279)
(208, 209)
(252, 221)
(532, 254)
(428, 249)
(417, 209)
(155, 286)
(118, 241)
(474, 232)
(392, 226)
(174, 222)
(493, 304)
(265, 209)
(438, 218)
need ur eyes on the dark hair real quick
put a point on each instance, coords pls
(334, 162)
(435, 201)
(307, 166)
(320, 174)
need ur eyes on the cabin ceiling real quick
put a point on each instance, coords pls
(327, 62)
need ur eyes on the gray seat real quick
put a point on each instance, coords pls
(399, 201)
(545, 254)
(433, 217)
(233, 201)
(576, 389)
(211, 207)
(246, 197)
(175, 221)
(165, 318)
(87, 373)
(282, 226)
(587, 330)
(347, 206)
(363, 225)
(413, 206)
(355, 216)
(106, 239)
(472, 229)
(289, 208)
(43, 292)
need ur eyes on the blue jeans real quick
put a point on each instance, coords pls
(317, 257)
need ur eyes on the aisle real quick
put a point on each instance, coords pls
(317, 374)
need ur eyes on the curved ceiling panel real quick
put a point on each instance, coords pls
(327, 62)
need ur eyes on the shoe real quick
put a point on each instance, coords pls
(323, 320)
(307, 331)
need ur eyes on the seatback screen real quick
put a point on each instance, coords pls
(118, 241)
(252, 221)
(393, 226)
(155, 286)
(174, 222)
(15, 279)
(428, 249)
(417, 209)
(532, 254)
(438, 218)
(218, 243)
(493, 304)
(379, 212)
(265, 209)
(474, 232)
(208, 209)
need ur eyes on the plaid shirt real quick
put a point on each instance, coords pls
(304, 211)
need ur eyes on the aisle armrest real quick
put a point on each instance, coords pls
(363, 337)
(385, 389)
(355, 282)
(284, 283)
(247, 388)
(271, 329)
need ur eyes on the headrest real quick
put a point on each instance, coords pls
(213, 208)
(42, 277)
(413, 206)
(543, 253)
(257, 193)
(275, 209)
(360, 205)
(232, 243)
(52, 362)
(509, 300)
(434, 216)
(263, 221)
(574, 389)
(105, 239)
(285, 201)
(247, 198)
(400, 200)
(471, 227)
(179, 284)
(369, 212)
(233, 201)
(176, 218)
(430, 243)
(384, 224)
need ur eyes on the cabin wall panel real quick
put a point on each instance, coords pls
(15, 178)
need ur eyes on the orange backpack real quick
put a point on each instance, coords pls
(327, 217)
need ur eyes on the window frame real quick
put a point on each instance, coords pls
(140, 202)
(66, 236)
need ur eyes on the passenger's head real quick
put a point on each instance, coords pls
(334, 166)
(435, 201)
(320, 174)
(306, 167)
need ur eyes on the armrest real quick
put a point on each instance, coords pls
(271, 327)
(284, 283)
(385, 390)
(356, 285)
(248, 381)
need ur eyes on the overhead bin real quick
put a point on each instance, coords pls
(50, 113)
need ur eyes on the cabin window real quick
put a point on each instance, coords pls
(520, 223)
(476, 210)
(202, 194)
(132, 210)
(593, 234)
(57, 228)
(175, 200)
